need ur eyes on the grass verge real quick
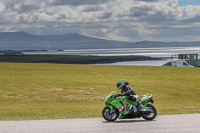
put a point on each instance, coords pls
(54, 91)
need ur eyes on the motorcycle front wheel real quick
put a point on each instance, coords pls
(150, 115)
(110, 115)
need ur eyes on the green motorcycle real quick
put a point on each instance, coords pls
(124, 108)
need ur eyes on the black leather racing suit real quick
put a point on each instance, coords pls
(128, 91)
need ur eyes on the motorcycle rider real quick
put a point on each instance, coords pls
(126, 90)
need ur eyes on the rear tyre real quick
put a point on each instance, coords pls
(150, 115)
(110, 115)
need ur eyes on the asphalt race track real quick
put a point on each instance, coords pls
(189, 123)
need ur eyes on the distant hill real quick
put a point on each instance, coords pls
(26, 41)
(152, 44)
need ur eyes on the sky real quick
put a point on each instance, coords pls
(124, 20)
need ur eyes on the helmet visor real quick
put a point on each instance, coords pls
(119, 85)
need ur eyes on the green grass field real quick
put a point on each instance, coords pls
(54, 91)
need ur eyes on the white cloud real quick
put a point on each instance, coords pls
(128, 20)
(188, 12)
(78, 2)
(2, 7)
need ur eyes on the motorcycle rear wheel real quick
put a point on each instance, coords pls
(108, 115)
(149, 115)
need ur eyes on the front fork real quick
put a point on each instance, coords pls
(112, 110)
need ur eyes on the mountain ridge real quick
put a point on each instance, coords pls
(25, 41)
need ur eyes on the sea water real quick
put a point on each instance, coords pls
(165, 52)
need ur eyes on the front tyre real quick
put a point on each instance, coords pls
(110, 114)
(150, 115)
